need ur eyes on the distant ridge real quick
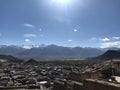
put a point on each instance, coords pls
(109, 55)
(10, 58)
(50, 52)
(31, 62)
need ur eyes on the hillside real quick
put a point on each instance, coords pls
(31, 62)
(109, 55)
(9, 58)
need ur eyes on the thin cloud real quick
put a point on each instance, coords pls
(75, 30)
(61, 19)
(77, 27)
(27, 40)
(26, 46)
(105, 39)
(70, 40)
(29, 25)
(110, 44)
(40, 29)
(30, 35)
(92, 39)
(115, 38)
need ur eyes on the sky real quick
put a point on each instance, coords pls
(84, 23)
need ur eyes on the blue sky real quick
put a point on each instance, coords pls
(85, 23)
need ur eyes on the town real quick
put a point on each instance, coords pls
(56, 75)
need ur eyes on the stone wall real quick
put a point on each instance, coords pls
(100, 85)
(89, 84)
(59, 85)
(81, 77)
(78, 86)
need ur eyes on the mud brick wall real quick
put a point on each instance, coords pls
(81, 77)
(69, 86)
(59, 85)
(78, 86)
(100, 85)
(89, 84)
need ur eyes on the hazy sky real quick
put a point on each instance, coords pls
(86, 23)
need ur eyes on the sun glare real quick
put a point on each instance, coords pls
(61, 1)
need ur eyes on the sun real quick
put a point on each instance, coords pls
(61, 1)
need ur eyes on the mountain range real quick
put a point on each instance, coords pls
(50, 52)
